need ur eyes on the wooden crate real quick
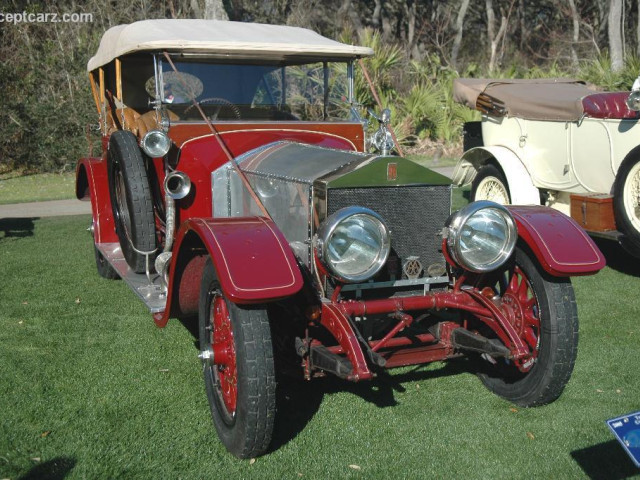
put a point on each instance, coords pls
(593, 211)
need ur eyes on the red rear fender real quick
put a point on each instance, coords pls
(92, 183)
(561, 246)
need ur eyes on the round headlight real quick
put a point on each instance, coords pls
(353, 244)
(481, 236)
(155, 144)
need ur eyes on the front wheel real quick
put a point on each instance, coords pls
(490, 184)
(626, 200)
(238, 367)
(543, 311)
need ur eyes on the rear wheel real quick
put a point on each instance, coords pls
(238, 367)
(626, 200)
(131, 201)
(490, 184)
(543, 311)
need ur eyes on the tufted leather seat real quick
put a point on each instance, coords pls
(608, 105)
(147, 121)
(138, 124)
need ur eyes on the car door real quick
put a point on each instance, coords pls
(591, 153)
(545, 149)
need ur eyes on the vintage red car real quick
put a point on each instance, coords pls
(234, 185)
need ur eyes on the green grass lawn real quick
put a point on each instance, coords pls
(433, 161)
(90, 388)
(15, 188)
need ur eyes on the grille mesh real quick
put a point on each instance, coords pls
(415, 215)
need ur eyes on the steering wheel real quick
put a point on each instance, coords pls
(220, 102)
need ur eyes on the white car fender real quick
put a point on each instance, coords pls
(521, 187)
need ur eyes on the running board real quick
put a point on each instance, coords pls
(148, 288)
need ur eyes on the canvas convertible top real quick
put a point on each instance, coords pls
(533, 99)
(217, 37)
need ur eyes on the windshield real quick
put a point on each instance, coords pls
(232, 91)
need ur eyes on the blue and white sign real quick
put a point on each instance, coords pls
(627, 431)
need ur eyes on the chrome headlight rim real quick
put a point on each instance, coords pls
(155, 149)
(327, 230)
(459, 219)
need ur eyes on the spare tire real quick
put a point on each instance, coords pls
(131, 201)
(626, 197)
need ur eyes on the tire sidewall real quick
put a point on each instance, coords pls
(233, 434)
(623, 222)
(489, 171)
(533, 387)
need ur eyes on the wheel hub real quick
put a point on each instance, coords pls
(520, 307)
(513, 311)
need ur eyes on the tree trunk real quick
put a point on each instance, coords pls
(576, 31)
(347, 12)
(615, 35)
(386, 22)
(214, 10)
(376, 17)
(494, 38)
(458, 38)
(638, 30)
(410, 14)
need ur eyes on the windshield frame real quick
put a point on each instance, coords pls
(349, 103)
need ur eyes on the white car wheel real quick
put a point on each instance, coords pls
(631, 196)
(490, 184)
(626, 199)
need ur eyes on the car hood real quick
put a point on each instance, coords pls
(292, 181)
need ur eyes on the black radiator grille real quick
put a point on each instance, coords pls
(415, 215)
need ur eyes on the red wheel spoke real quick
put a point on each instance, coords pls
(530, 320)
(224, 353)
(531, 339)
(520, 307)
(513, 284)
(523, 290)
(529, 304)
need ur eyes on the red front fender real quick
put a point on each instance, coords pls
(561, 246)
(252, 259)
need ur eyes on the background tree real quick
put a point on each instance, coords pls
(462, 11)
(423, 45)
(616, 48)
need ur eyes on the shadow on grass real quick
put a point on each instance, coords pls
(298, 400)
(617, 258)
(191, 324)
(16, 227)
(55, 469)
(605, 461)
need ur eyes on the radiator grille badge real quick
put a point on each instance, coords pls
(392, 171)
(436, 270)
(412, 268)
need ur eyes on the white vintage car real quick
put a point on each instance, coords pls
(555, 142)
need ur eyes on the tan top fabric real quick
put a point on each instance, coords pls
(247, 40)
(535, 99)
